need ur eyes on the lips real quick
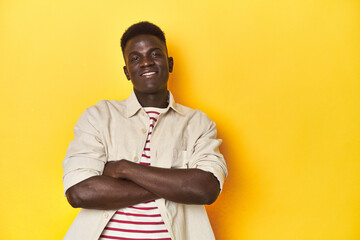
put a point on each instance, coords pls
(148, 74)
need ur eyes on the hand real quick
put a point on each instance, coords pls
(116, 169)
(111, 169)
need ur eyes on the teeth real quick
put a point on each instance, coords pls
(148, 73)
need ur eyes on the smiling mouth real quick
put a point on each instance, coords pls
(147, 74)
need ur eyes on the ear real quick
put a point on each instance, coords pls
(171, 64)
(126, 73)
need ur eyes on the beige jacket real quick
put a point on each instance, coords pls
(114, 130)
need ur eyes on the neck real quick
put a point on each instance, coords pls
(159, 99)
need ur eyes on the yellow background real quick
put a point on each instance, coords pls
(280, 78)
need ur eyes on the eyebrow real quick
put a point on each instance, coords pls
(150, 50)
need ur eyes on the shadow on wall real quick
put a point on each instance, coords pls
(225, 210)
(221, 213)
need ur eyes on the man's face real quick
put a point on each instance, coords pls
(147, 64)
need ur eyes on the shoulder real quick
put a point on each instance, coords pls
(102, 112)
(194, 116)
(106, 107)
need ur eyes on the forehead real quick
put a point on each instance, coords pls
(143, 43)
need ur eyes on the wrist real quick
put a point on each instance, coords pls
(124, 169)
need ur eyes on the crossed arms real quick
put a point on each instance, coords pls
(125, 183)
(93, 182)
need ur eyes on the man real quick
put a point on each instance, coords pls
(143, 168)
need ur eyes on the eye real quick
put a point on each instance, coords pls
(134, 58)
(156, 54)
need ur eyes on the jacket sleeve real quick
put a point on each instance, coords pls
(86, 155)
(205, 153)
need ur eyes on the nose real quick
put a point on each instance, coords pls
(146, 61)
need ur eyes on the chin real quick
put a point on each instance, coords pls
(151, 90)
(147, 91)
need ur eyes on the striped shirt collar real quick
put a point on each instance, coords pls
(133, 105)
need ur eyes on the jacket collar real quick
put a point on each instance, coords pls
(133, 105)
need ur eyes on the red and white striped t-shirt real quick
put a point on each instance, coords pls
(141, 221)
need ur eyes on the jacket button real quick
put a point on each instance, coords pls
(106, 215)
(143, 130)
(136, 159)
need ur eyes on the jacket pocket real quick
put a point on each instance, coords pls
(180, 159)
(171, 158)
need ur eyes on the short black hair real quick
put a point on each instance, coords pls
(141, 28)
